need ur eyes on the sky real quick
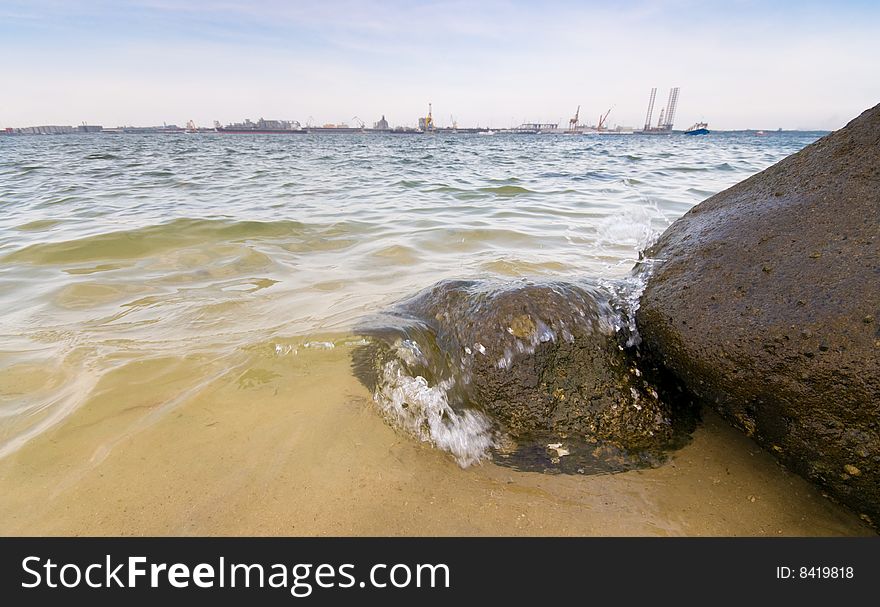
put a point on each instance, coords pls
(740, 63)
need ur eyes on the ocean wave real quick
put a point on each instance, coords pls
(151, 240)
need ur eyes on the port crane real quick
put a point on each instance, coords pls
(358, 122)
(429, 120)
(573, 122)
(602, 119)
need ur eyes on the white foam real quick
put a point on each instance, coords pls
(411, 404)
(634, 228)
(410, 352)
(319, 345)
(626, 298)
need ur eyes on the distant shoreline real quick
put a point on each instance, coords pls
(56, 130)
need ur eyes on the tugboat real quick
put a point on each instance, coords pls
(700, 128)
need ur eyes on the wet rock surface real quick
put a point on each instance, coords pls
(545, 363)
(764, 301)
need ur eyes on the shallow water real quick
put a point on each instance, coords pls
(178, 313)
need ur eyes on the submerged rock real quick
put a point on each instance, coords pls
(544, 365)
(764, 300)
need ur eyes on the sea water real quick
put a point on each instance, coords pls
(147, 281)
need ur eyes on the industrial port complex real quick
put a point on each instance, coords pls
(426, 125)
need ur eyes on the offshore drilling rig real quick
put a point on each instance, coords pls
(667, 114)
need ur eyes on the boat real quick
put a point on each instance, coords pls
(262, 126)
(535, 128)
(235, 131)
(700, 128)
(336, 128)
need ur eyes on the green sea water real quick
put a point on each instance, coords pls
(121, 248)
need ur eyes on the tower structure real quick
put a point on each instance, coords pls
(650, 113)
(670, 109)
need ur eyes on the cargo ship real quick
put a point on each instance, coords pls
(262, 126)
(338, 129)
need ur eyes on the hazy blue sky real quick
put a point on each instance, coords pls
(740, 64)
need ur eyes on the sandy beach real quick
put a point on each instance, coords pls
(292, 445)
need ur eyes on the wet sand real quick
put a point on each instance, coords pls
(268, 444)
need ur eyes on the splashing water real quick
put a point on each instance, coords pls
(410, 404)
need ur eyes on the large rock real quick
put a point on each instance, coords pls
(546, 362)
(764, 300)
